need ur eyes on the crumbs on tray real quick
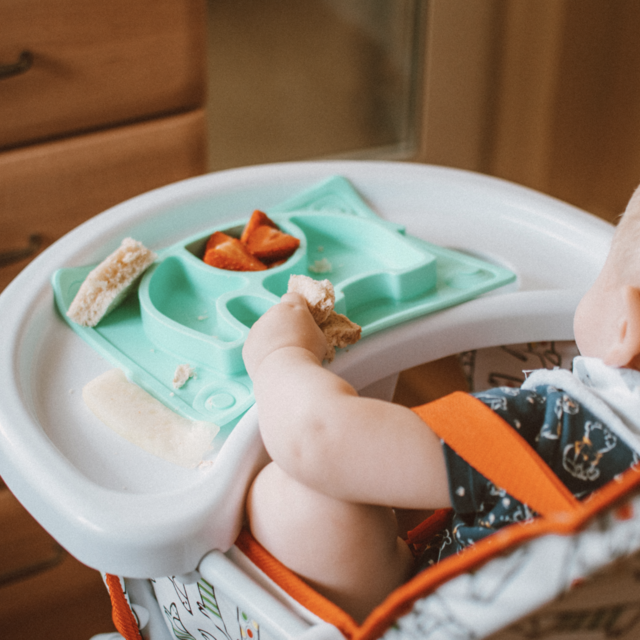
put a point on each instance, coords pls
(182, 374)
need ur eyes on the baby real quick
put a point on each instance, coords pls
(343, 466)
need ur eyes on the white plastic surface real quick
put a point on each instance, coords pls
(125, 512)
(277, 618)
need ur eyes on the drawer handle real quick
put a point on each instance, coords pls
(24, 64)
(15, 255)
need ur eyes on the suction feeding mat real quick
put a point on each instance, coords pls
(185, 312)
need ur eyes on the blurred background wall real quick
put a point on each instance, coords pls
(542, 92)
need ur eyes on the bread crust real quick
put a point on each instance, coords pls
(107, 285)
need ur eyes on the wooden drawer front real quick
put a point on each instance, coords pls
(51, 188)
(46, 593)
(98, 63)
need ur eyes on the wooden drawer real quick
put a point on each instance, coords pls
(51, 188)
(46, 593)
(97, 64)
(25, 548)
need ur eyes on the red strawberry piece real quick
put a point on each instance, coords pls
(258, 219)
(270, 245)
(226, 252)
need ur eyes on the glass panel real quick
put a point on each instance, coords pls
(291, 80)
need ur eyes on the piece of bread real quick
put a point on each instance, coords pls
(338, 330)
(107, 285)
(138, 417)
(319, 294)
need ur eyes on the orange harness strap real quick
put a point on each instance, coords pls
(123, 618)
(490, 445)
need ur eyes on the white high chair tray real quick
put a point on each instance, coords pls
(123, 511)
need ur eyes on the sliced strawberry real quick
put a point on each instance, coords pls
(271, 245)
(225, 252)
(258, 219)
(217, 238)
(277, 263)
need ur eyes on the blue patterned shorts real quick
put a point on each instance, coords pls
(577, 446)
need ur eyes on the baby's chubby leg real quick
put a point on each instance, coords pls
(323, 507)
(348, 552)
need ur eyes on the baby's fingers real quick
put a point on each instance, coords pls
(294, 300)
(287, 324)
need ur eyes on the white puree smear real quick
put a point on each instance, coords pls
(144, 421)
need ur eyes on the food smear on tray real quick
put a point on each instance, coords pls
(138, 417)
(262, 245)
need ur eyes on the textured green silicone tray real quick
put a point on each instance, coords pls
(186, 312)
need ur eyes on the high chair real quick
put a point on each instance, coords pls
(169, 541)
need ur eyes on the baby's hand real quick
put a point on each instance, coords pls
(287, 324)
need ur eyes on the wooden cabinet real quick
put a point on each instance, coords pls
(46, 593)
(108, 104)
(97, 64)
(50, 188)
(99, 102)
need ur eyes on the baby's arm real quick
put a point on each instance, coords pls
(318, 430)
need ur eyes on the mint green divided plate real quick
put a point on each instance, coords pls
(186, 312)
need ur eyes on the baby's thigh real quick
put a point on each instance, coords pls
(315, 535)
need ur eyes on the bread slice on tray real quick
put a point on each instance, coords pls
(107, 285)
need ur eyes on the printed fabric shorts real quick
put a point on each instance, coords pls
(579, 449)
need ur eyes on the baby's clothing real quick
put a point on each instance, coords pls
(569, 421)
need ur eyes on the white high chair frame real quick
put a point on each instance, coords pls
(119, 510)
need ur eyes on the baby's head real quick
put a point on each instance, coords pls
(607, 320)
